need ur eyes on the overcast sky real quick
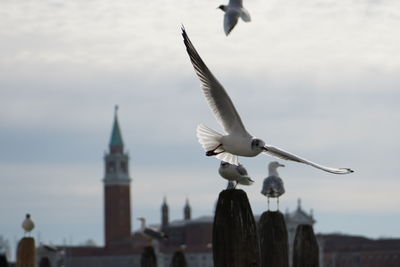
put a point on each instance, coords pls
(318, 78)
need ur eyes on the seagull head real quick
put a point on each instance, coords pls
(28, 215)
(273, 166)
(257, 145)
(224, 164)
(222, 7)
(141, 219)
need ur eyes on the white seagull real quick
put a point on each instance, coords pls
(237, 141)
(150, 233)
(235, 173)
(273, 184)
(28, 224)
(233, 11)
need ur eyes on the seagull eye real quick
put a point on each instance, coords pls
(257, 143)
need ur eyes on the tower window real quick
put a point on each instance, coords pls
(111, 167)
(124, 167)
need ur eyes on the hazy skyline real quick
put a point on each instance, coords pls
(316, 77)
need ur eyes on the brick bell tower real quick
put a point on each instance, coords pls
(117, 208)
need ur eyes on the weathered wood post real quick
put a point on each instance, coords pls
(3, 261)
(44, 262)
(235, 237)
(178, 260)
(273, 240)
(305, 249)
(148, 257)
(26, 256)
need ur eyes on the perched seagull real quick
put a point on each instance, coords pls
(235, 173)
(233, 11)
(28, 224)
(273, 184)
(237, 141)
(149, 233)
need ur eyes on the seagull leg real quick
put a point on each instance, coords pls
(278, 203)
(235, 185)
(212, 152)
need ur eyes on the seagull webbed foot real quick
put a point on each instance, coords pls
(212, 152)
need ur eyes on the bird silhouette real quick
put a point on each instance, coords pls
(233, 11)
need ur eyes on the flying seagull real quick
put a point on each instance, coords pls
(235, 173)
(233, 11)
(28, 224)
(273, 184)
(150, 233)
(237, 141)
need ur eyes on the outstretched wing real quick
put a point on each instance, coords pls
(242, 170)
(217, 98)
(230, 20)
(277, 152)
(235, 3)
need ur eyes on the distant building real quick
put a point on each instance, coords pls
(340, 250)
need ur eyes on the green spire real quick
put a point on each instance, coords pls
(116, 137)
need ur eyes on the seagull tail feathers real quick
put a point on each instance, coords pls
(210, 139)
(245, 15)
(228, 157)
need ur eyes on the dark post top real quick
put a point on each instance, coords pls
(235, 237)
(305, 249)
(273, 239)
(148, 257)
(178, 260)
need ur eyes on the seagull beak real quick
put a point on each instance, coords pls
(281, 165)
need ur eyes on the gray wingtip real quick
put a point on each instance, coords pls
(345, 171)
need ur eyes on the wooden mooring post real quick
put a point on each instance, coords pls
(26, 254)
(44, 262)
(305, 249)
(3, 261)
(178, 260)
(273, 240)
(235, 237)
(148, 257)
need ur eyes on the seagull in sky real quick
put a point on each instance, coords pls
(235, 173)
(150, 233)
(237, 141)
(233, 11)
(28, 224)
(273, 184)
